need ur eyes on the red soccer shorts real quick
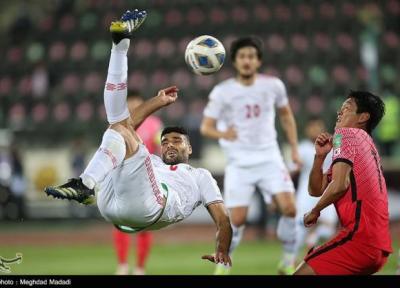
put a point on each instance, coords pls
(345, 257)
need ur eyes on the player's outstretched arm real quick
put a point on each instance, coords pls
(224, 234)
(318, 181)
(333, 192)
(289, 126)
(164, 98)
(209, 129)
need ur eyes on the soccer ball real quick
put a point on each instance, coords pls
(205, 55)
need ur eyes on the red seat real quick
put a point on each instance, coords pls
(61, 112)
(78, 51)
(137, 81)
(5, 85)
(39, 113)
(84, 111)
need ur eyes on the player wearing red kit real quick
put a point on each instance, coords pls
(355, 184)
(149, 132)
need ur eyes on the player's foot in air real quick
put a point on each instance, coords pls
(74, 189)
(130, 21)
(285, 269)
(221, 269)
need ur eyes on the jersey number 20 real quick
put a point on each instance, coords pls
(252, 111)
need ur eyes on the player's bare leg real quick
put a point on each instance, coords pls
(286, 231)
(238, 217)
(119, 141)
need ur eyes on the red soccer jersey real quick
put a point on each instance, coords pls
(149, 132)
(363, 209)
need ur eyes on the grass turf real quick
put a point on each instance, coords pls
(251, 258)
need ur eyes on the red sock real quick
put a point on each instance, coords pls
(143, 245)
(121, 244)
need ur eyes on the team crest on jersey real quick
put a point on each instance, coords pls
(337, 140)
(336, 152)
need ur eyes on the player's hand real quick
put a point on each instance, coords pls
(296, 158)
(310, 218)
(168, 95)
(219, 257)
(230, 134)
(323, 144)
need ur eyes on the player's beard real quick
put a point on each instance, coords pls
(179, 158)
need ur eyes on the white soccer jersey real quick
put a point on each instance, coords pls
(188, 187)
(251, 110)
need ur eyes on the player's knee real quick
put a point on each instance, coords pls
(130, 142)
(238, 220)
(288, 210)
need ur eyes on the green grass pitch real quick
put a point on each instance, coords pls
(251, 258)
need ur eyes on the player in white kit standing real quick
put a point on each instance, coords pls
(326, 226)
(137, 190)
(241, 115)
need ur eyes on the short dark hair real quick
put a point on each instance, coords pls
(134, 94)
(251, 41)
(176, 129)
(370, 103)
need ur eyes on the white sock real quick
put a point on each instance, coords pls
(237, 234)
(115, 91)
(110, 154)
(300, 237)
(286, 232)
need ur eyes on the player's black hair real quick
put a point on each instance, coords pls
(370, 103)
(251, 41)
(176, 129)
(134, 94)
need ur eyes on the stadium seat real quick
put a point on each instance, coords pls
(165, 48)
(294, 76)
(262, 12)
(239, 14)
(84, 111)
(25, 85)
(93, 83)
(39, 113)
(137, 81)
(61, 112)
(57, 51)
(6, 85)
(71, 84)
(67, 23)
(195, 16)
(88, 21)
(173, 18)
(78, 51)
(100, 50)
(317, 75)
(17, 115)
(160, 79)
(341, 75)
(35, 52)
(182, 78)
(204, 83)
(143, 49)
(218, 16)
(14, 55)
(315, 104)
